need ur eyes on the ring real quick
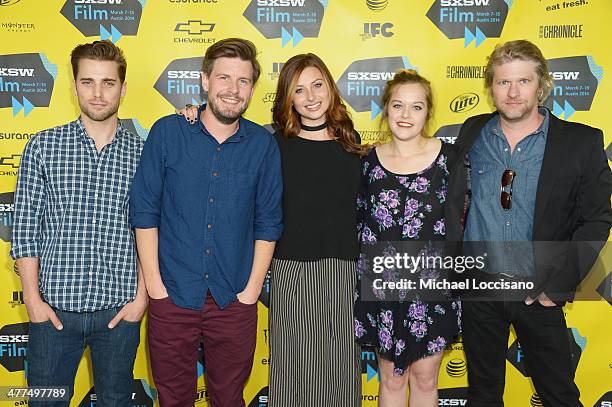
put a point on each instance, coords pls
(188, 106)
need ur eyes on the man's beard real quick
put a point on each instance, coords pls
(226, 116)
(101, 115)
(516, 114)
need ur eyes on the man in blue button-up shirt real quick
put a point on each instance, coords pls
(206, 205)
(535, 179)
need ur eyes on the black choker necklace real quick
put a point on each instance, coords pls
(313, 128)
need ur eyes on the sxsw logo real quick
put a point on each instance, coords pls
(369, 365)
(13, 346)
(17, 299)
(276, 69)
(576, 80)
(456, 396)
(260, 399)
(143, 395)
(605, 400)
(448, 133)
(362, 83)
(372, 30)
(264, 295)
(472, 20)
(134, 127)
(110, 19)
(286, 19)
(26, 82)
(7, 210)
(516, 355)
(180, 82)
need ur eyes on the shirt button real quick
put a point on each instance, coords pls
(209, 226)
(518, 149)
(211, 200)
(206, 275)
(215, 174)
(505, 149)
(218, 148)
(93, 221)
(508, 223)
(207, 251)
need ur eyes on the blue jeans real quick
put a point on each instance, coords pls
(53, 356)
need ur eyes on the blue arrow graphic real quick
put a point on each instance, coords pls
(580, 340)
(104, 34)
(569, 110)
(286, 36)
(468, 37)
(16, 106)
(371, 373)
(480, 37)
(376, 110)
(27, 106)
(297, 37)
(115, 34)
(557, 109)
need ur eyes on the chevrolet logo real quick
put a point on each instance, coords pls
(194, 27)
(13, 160)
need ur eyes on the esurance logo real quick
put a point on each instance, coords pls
(180, 83)
(26, 82)
(134, 127)
(362, 83)
(143, 395)
(287, 19)
(260, 399)
(7, 210)
(472, 20)
(516, 355)
(464, 102)
(110, 19)
(13, 346)
(575, 82)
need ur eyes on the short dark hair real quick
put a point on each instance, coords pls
(232, 48)
(99, 51)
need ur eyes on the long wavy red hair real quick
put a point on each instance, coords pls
(287, 119)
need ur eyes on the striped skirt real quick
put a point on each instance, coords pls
(314, 360)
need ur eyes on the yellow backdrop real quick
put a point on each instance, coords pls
(362, 42)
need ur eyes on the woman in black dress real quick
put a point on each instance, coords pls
(312, 276)
(404, 186)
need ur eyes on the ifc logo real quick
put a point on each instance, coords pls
(377, 5)
(535, 401)
(456, 368)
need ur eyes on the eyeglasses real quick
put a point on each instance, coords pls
(507, 181)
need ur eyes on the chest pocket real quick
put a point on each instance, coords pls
(484, 182)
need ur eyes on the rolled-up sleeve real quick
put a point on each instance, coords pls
(148, 183)
(29, 203)
(268, 209)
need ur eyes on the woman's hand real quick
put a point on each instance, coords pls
(190, 112)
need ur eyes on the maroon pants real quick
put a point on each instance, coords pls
(229, 338)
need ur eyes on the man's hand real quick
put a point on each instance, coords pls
(542, 299)
(248, 297)
(131, 312)
(40, 311)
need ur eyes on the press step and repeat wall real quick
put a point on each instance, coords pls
(363, 42)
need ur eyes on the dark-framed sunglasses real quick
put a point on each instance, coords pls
(506, 196)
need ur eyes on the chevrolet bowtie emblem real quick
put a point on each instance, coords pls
(13, 160)
(194, 27)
